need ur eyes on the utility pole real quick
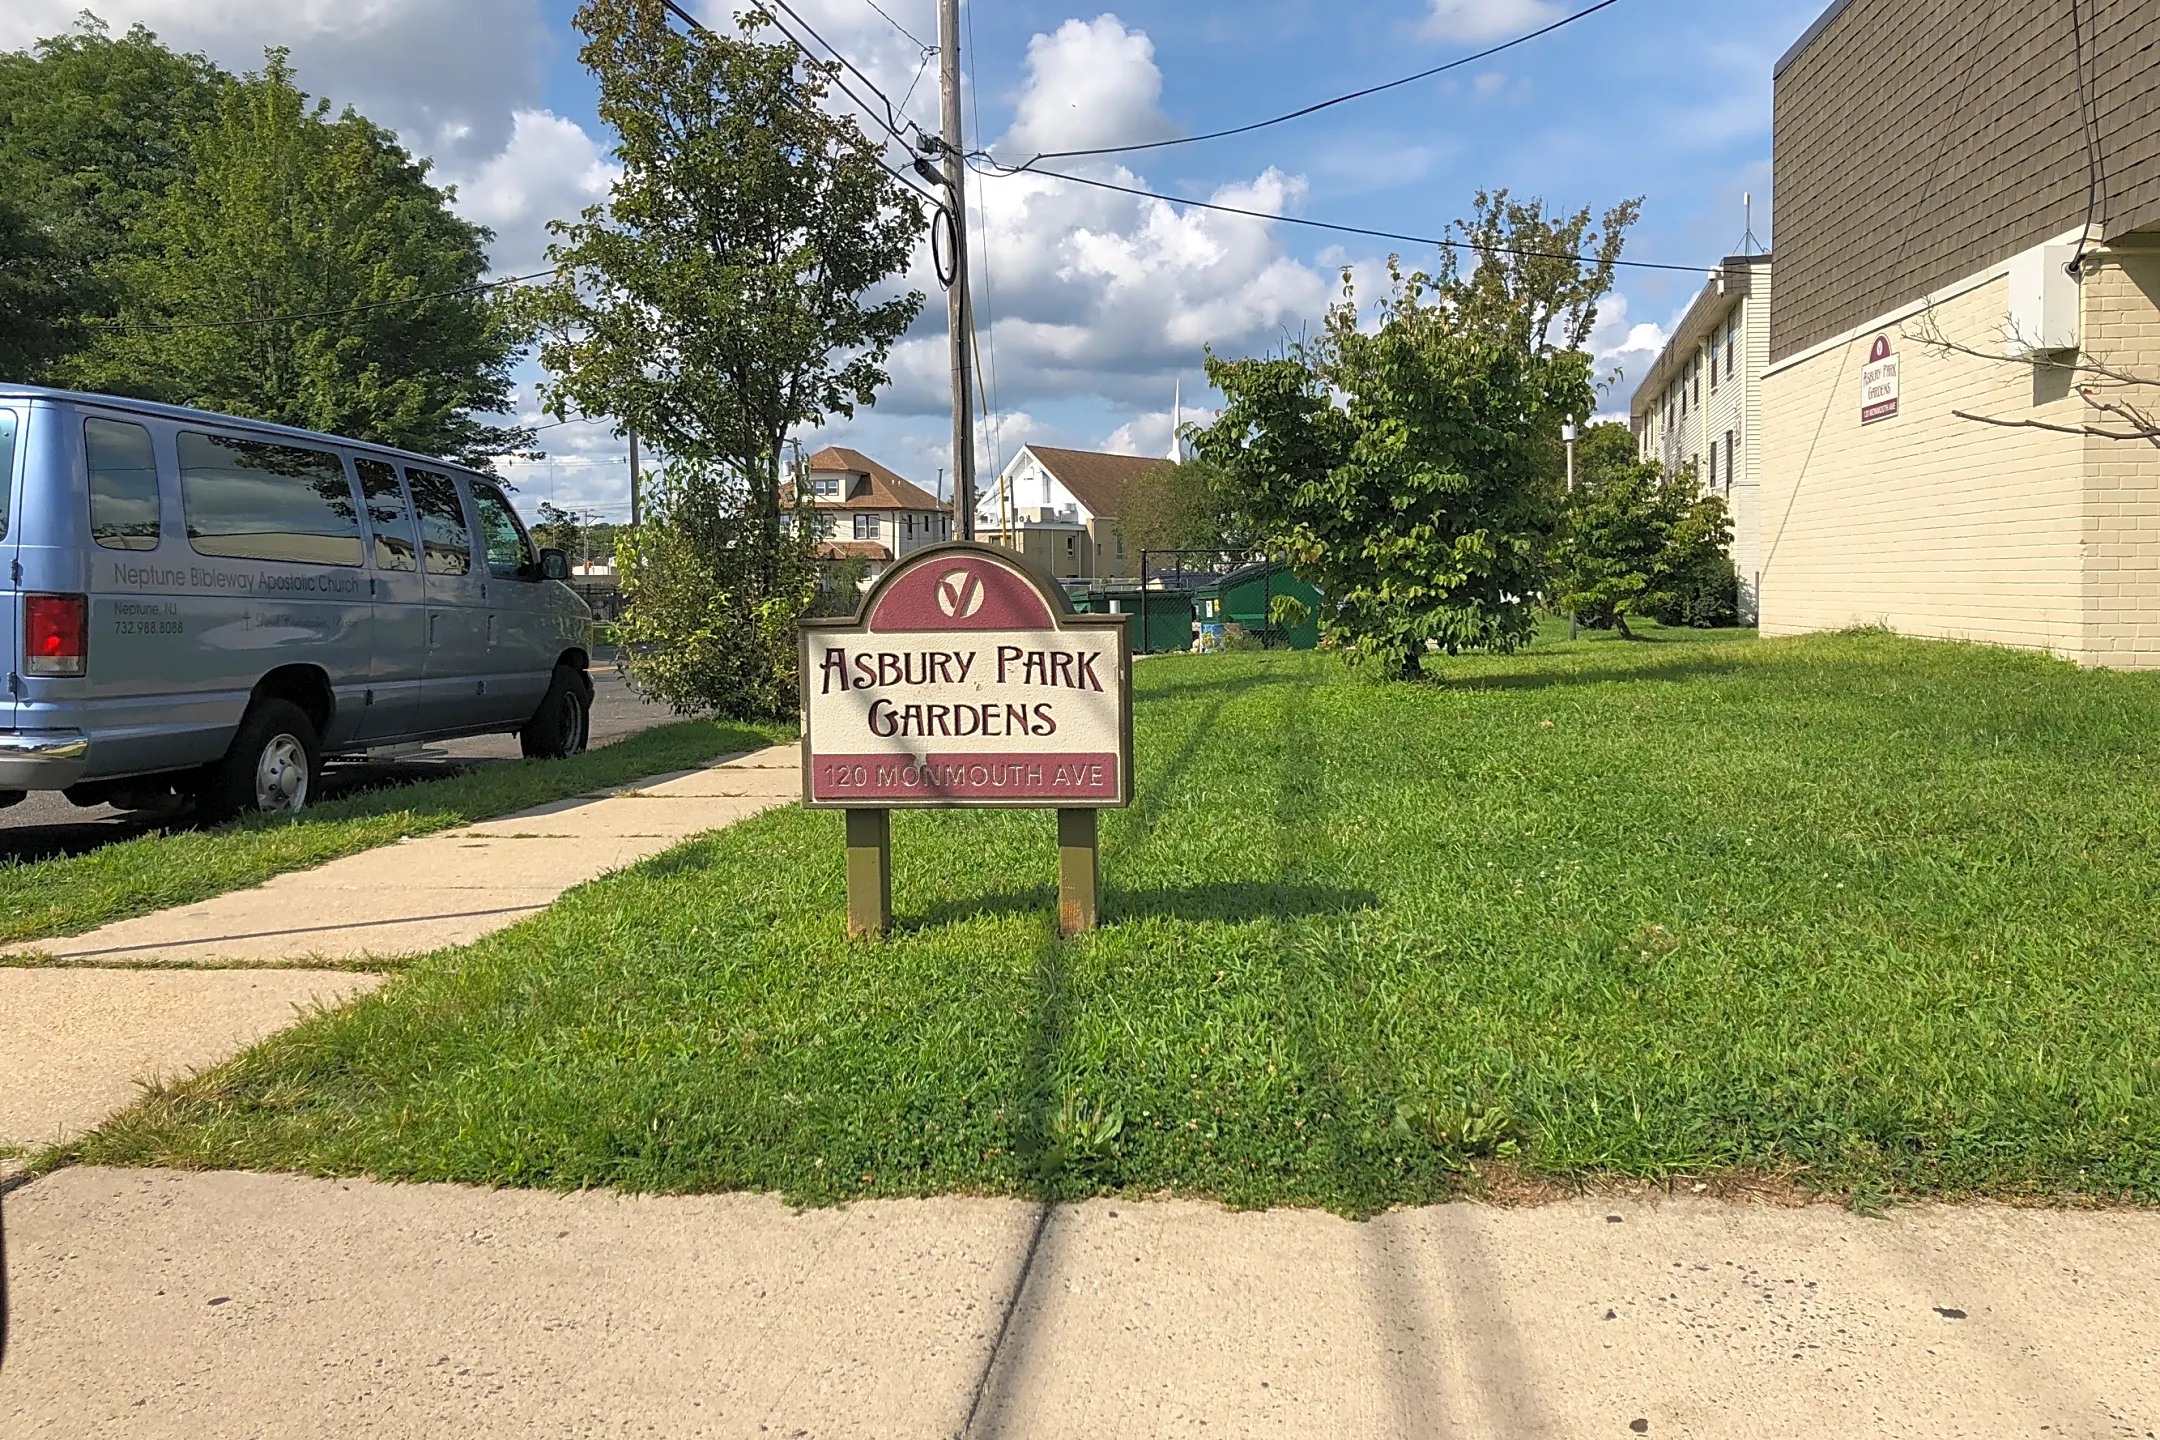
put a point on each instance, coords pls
(636, 511)
(959, 313)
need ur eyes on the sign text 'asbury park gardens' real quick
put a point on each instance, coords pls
(966, 681)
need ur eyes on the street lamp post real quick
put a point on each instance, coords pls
(1567, 434)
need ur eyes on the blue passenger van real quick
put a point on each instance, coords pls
(198, 609)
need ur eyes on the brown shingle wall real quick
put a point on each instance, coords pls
(1920, 141)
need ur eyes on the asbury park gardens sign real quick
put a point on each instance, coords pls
(965, 680)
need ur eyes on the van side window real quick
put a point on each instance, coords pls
(442, 522)
(254, 500)
(509, 553)
(388, 516)
(123, 485)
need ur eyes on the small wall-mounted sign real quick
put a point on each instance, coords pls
(965, 680)
(1879, 382)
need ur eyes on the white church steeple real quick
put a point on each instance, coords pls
(1177, 421)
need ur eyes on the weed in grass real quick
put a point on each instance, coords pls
(1871, 913)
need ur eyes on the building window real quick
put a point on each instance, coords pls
(826, 485)
(1713, 364)
(1732, 343)
(1730, 446)
(1713, 466)
(866, 527)
(910, 527)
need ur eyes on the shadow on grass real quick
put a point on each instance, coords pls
(1672, 671)
(1226, 686)
(1229, 902)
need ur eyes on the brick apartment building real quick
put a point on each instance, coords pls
(1968, 237)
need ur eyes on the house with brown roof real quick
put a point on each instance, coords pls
(1061, 508)
(866, 512)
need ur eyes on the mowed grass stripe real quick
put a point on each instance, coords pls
(68, 895)
(1869, 912)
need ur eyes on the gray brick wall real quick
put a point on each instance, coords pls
(1920, 141)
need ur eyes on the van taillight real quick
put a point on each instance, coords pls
(56, 634)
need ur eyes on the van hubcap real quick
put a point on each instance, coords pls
(281, 776)
(571, 728)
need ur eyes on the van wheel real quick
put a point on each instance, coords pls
(562, 723)
(271, 768)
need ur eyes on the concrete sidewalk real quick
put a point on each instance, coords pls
(156, 1304)
(450, 888)
(76, 1044)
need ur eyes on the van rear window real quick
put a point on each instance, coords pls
(253, 500)
(7, 465)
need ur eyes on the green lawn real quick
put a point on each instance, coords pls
(1875, 914)
(71, 894)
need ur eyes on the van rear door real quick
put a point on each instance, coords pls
(14, 463)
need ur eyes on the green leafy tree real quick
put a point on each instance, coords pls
(1698, 585)
(1635, 541)
(1407, 461)
(559, 529)
(1183, 507)
(42, 292)
(734, 287)
(305, 271)
(93, 133)
(708, 620)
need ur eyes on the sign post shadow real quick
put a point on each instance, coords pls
(966, 681)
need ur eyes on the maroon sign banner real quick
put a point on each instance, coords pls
(966, 680)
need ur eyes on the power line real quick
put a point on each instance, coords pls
(982, 221)
(926, 49)
(478, 288)
(1004, 171)
(893, 119)
(701, 28)
(1324, 104)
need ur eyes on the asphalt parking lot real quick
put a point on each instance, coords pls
(48, 824)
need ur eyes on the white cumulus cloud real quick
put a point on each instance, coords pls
(1091, 83)
(1488, 19)
(550, 170)
(1095, 293)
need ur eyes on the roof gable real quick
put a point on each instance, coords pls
(1096, 480)
(887, 491)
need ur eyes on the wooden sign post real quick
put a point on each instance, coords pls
(966, 681)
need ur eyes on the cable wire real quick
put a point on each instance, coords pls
(926, 49)
(988, 337)
(477, 288)
(893, 120)
(2089, 128)
(1299, 114)
(1005, 171)
(703, 29)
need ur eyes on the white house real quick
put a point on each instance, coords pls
(866, 512)
(1061, 508)
(1700, 405)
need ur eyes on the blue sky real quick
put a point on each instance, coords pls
(1102, 303)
